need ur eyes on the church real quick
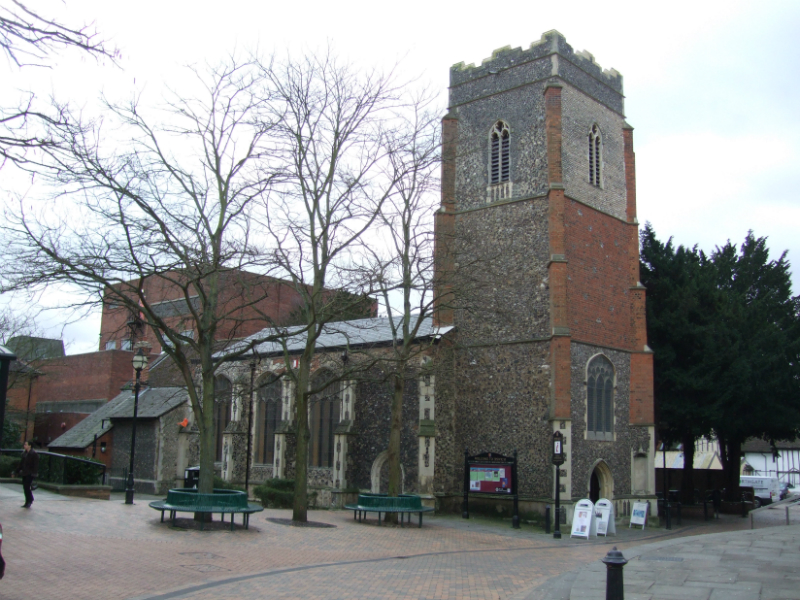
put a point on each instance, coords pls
(540, 327)
(539, 199)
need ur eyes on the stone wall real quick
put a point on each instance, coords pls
(627, 438)
(502, 405)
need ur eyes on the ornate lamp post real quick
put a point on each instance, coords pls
(558, 460)
(139, 363)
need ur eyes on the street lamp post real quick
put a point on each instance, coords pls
(558, 460)
(139, 363)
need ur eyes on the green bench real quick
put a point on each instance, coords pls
(404, 504)
(221, 501)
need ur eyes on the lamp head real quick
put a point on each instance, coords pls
(139, 360)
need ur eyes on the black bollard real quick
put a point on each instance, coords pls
(705, 510)
(614, 561)
(547, 518)
(679, 514)
(744, 508)
(667, 520)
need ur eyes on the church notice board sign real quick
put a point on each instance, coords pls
(604, 517)
(491, 473)
(639, 514)
(583, 520)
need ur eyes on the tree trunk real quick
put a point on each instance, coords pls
(300, 506)
(687, 482)
(395, 472)
(207, 445)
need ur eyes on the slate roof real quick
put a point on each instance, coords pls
(359, 332)
(28, 347)
(153, 402)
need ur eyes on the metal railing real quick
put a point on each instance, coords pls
(64, 469)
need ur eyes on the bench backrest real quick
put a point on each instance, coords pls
(220, 499)
(404, 501)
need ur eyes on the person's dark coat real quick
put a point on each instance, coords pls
(29, 466)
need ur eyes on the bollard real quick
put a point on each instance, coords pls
(547, 518)
(787, 514)
(667, 520)
(679, 514)
(744, 508)
(705, 510)
(614, 561)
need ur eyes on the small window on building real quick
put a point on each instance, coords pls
(112, 345)
(600, 399)
(125, 345)
(595, 156)
(500, 163)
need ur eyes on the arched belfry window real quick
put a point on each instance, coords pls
(269, 415)
(595, 156)
(500, 164)
(600, 399)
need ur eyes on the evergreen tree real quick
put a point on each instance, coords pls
(681, 297)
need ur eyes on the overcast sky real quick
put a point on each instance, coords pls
(712, 88)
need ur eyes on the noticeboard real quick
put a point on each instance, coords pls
(583, 520)
(490, 478)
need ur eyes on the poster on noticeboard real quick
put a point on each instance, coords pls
(490, 479)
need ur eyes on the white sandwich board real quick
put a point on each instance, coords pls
(604, 517)
(583, 522)
(639, 514)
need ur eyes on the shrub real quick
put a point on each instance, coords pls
(8, 464)
(221, 484)
(276, 493)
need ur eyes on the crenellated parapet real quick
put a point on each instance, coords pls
(550, 57)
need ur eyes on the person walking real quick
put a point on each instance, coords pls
(28, 468)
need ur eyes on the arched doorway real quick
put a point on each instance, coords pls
(380, 474)
(601, 482)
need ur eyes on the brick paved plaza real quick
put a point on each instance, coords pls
(70, 549)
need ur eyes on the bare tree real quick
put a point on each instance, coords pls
(338, 135)
(138, 202)
(402, 268)
(29, 40)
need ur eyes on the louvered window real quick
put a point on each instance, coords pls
(501, 153)
(595, 156)
(600, 399)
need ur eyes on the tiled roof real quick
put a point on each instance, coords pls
(343, 334)
(153, 402)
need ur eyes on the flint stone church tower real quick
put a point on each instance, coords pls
(537, 249)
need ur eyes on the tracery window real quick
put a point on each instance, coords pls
(223, 396)
(269, 415)
(500, 163)
(600, 399)
(595, 156)
(323, 418)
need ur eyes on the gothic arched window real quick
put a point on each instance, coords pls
(595, 156)
(600, 399)
(323, 418)
(500, 163)
(269, 417)
(223, 396)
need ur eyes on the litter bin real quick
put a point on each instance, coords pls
(191, 477)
